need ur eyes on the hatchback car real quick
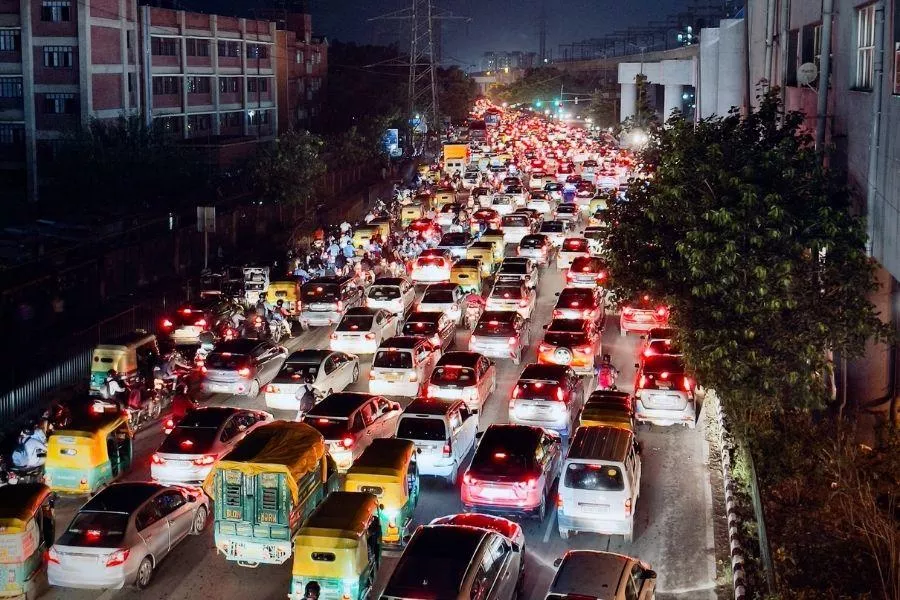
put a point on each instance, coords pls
(554, 190)
(482, 196)
(541, 202)
(641, 314)
(664, 392)
(448, 214)
(325, 299)
(362, 330)
(456, 244)
(580, 303)
(519, 269)
(122, 533)
(466, 376)
(503, 204)
(444, 434)
(569, 213)
(437, 327)
(444, 298)
(393, 294)
(489, 217)
(349, 421)
(431, 267)
(548, 396)
(556, 231)
(402, 365)
(517, 193)
(596, 575)
(588, 271)
(571, 342)
(500, 334)
(328, 371)
(186, 324)
(202, 437)
(516, 226)
(572, 248)
(241, 367)
(513, 472)
(512, 296)
(536, 247)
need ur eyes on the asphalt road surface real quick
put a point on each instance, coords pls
(673, 531)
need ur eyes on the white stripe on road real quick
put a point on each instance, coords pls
(550, 525)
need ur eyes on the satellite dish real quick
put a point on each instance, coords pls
(807, 73)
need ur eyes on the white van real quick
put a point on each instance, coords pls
(600, 482)
(444, 434)
(402, 366)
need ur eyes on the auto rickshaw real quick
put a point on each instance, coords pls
(410, 213)
(289, 291)
(27, 530)
(484, 252)
(608, 408)
(467, 273)
(339, 548)
(132, 355)
(495, 236)
(91, 451)
(442, 198)
(361, 237)
(387, 468)
(383, 226)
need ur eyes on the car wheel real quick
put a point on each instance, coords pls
(200, 520)
(144, 573)
(542, 509)
(355, 373)
(253, 392)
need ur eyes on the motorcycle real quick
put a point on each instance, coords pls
(606, 378)
(473, 313)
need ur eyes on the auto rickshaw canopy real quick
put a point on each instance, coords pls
(19, 503)
(89, 430)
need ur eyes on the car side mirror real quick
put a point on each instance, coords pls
(192, 498)
(515, 547)
(478, 435)
(649, 574)
(557, 562)
(637, 366)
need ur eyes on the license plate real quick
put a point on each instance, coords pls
(664, 401)
(595, 508)
(493, 493)
(217, 388)
(391, 376)
(318, 308)
(663, 385)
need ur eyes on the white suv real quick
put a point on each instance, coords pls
(444, 434)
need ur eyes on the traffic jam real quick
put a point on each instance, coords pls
(482, 421)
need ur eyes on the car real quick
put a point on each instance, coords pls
(511, 530)
(536, 180)
(394, 294)
(556, 231)
(571, 342)
(580, 303)
(567, 212)
(445, 298)
(554, 190)
(602, 468)
(185, 325)
(536, 247)
(513, 472)
(426, 229)
(511, 180)
(467, 376)
(444, 434)
(598, 575)
(470, 179)
(439, 328)
(328, 371)
(564, 170)
(595, 235)
(589, 272)
(517, 193)
(198, 440)
(599, 218)
(121, 534)
(402, 366)
(548, 396)
(518, 269)
(450, 561)
(503, 204)
(540, 201)
(659, 341)
(361, 330)
(641, 314)
(431, 267)
(500, 334)
(513, 296)
(664, 392)
(482, 196)
(572, 248)
(241, 366)
(456, 244)
(515, 226)
(324, 299)
(588, 170)
(488, 216)
(448, 214)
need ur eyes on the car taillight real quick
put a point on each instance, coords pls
(371, 376)
(570, 276)
(156, 459)
(628, 507)
(513, 341)
(203, 369)
(530, 483)
(542, 347)
(642, 381)
(169, 424)
(413, 377)
(648, 351)
(601, 276)
(662, 311)
(167, 323)
(587, 313)
(244, 372)
(347, 442)
(52, 555)
(664, 375)
(559, 394)
(206, 459)
(334, 336)
(201, 323)
(686, 384)
(469, 480)
(523, 303)
(117, 558)
(340, 305)
(370, 336)
(448, 449)
(516, 391)
(272, 389)
(559, 501)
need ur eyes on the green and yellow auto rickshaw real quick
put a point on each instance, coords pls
(467, 274)
(484, 252)
(91, 451)
(132, 355)
(387, 468)
(27, 530)
(410, 213)
(339, 548)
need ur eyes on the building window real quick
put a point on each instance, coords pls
(231, 119)
(195, 47)
(197, 123)
(198, 85)
(10, 87)
(165, 86)
(299, 56)
(59, 104)
(230, 49)
(229, 85)
(10, 40)
(58, 57)
(258, 117)
(793, 57)
(162, 46)
(56, 11)
(11, 135)
(257, 51)
(865, 46)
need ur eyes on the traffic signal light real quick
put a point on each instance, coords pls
(558, 103)
(538, 103)
(576, 100)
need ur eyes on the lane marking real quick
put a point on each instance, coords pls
(550, 525)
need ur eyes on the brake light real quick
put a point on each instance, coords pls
(201, 323)
(51, 555)
(523, 303)
(117, 558)
(469, 480)
(648, 351)
(166, 323)
(513, 341)
(334, 336)
(557, 313)
(661, 311)
(347, 442)
(244, 372)
(664, 375)
(448, 449)
(642, 381)
(628, 507)
(559, 394)
(530, 483)
(601, 276)
(340, 305)
(370, 336)
(169, 424)
(156, 459)
(258, 320)
(559, 501)
(271, 389)
(686, 383)
(570, 276)
(413, 377)
(206, 459)
(203, 369)
(516, 391)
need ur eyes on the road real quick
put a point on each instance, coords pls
(673, 531)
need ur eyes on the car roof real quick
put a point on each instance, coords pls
(663, 362)
(361, 311)
(402, 342)
(448, 548)
(595, 442)
(459, 358)
(589, 573)
(388, 281)
(543, 372)
(514, 437)
(423, 317)
(239, 346)
(340, 404)
(125, 497)
(430, 406)
(311, 357)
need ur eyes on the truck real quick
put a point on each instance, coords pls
(265, 488)
(456, 157)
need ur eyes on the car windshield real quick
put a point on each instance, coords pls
(331, 428)
(355, 323)
(515, 221)
(392, 359)
(426, 328)
(189, 440)
(494, 327)
(225, 361)
(553, 227)
(319, 292)
(532, 242)
(437, 297)
(97, 529)
(384, 292)
(507, 293)
(420, 428)
(594, 477)
(292, 372)
(453, 375)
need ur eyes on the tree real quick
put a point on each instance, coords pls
(751, 243)
(456, 93)
(644, 116)
(603, 109)
(288, 170)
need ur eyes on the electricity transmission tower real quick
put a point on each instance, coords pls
(423, 22)
(542, 35)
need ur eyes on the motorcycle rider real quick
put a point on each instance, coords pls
(31, 451)
(115, 390)
(606, 374)
(475, 304)
(280, 319)
(307, 397)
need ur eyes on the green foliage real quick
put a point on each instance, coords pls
(644, 115)
(751, 243)
(603, 109)
(287, 171)
(544, 85)
(456, 93)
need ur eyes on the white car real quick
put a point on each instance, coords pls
(536, 247)
(572, 248)
(512, 297)
(444, 298)
(456, 244)
(518, 194)
(362, 330)
(567, 212)
(402, 366)
(556, 231)
(554, 190)
(444, 435)
(447, 215)
(470, 179)
(432, 266)
(466, 376)
(541, 202)
(536, 181)
(515, 226)
(482, 196)
(518, 269)
(326, 370)
(503, 204)
(393, 294)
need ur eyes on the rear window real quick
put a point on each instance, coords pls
(515, 221)
(593, 234)
(563, 338)
(567, 209)
(532, 242)
(317, 292)
(514, 268)
(419, 328)
(566, 326)
(392, 359)
(418, 428)
(226, 361)
(296, 372)
(599, 478)
(587, 264)
(355, 323)
(507, 293)
(330, 428)
(432, 261)
(538, 390)
(553, 227)
(189, 440)
(500, 459)
(662, 347)
(501, 200)
(553, 187)
(454, 375)
(96, 529)
(492, 327)
(384, 292)
(575, 245)
(437, 297)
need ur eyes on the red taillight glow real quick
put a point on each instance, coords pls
(642, 381)
(570, 276)
(661, 311)
(156, 459)
(347, 442)
(559, 394)
(628, 311)
(201, 323)
(664, 375)
(469, 480)
(648, 351)
(542, 347)
(167, 323)
(530, 483)
(244, 372)
(203, 369)
(513, 341)
(51, 555)
(500, 455)
(187, 444)
(370, 336)
(271, 389)
(93, 535)
(205, 460)
(686, 383)
(523, 303)
(447, 450)
(334, 336)
(516, 391)
(186, 311)
(117, 558)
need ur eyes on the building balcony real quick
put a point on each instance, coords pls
(166, 61)
(229, 97)
(167, 101)
(199, 61)
(229, 61)
(200, 99)
(11, 104)
(10, 56)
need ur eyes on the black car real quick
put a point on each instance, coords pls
(439, 328)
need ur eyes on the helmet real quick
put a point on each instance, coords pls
(280, 303)
(606, 359)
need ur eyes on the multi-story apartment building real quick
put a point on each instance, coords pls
(301, 66)
(498, 61)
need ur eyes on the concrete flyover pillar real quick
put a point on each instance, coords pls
(628, 101)
(671, 99)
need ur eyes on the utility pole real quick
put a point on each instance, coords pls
(542, 34)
